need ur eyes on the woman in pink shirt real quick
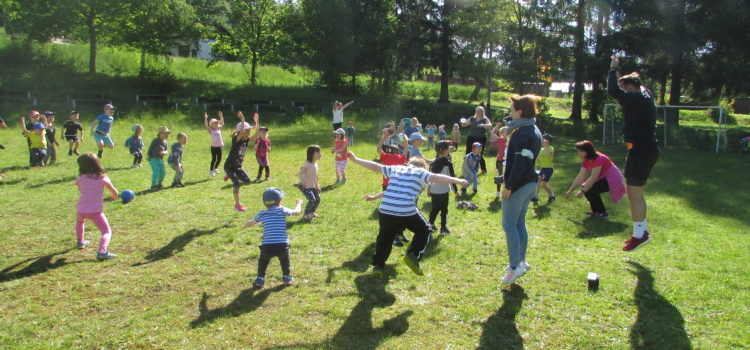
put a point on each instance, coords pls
(603, 176)
(91, 183)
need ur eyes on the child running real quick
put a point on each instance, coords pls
(155, 156)
(103, 125)
(135, 145)
(275, 238)
(175, 159)
(71, 129)
(233, 165)
(262, 147)
(546, 155)
(440, 192)
(91, 183)
(340, 147)
(213, 127)
(470, 167)
(308, 181)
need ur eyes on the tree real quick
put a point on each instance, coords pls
(580, 59)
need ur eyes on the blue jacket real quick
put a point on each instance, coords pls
(519, 170)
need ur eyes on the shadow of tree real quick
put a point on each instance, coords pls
(500, 330)
(359, 264)
(598, 227)
(176, 245)
(247, 301)
(659, 324)
(40, 264)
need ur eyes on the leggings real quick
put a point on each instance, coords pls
(215, 157)
(158, 172)
(260, 171)
(593, 195)
(137, 157)
(100, 220)
(313, 199)
(237, 176)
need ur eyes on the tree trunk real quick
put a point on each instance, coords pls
(253, 68)
(678, 30)
(143, 60)
(445, 53)
(92, 43)
(580, 66)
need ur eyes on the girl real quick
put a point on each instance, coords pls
(455, 136)
(340, 147)
(501, 141)
(91, 183)
(262, 147)
(604, 177)
(213, 127)
(308, 181)
(233, 165)
(338, 114)
(155, 156)
(135, 144)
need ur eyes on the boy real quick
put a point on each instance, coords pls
(103, 124)
(439, 192)
(175, 159)
(546, 155)
(416, 140)
(51, 135)
(431, 135)
(33, 119)
(350, 133)
(275, 238)
(37, 142)
(70, 130)
(470, 167)
(398, 210)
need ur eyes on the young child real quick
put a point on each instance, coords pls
(262, 147)
(241, 138)
(416, 140)
(91, 182)
(455, 136)
(501, 142)
(350, 131)
(441, 133)
(175, 159)
(71, 129)
(37, 142)
(213, 127)
(431, 135)
(546, 156)
(470, 167)
(440, 192)
(33, 119)
(308, 181)
(155, 156)
(340, 147)
(51, 135)
(135, 145)
(275, 238)
(103, 124)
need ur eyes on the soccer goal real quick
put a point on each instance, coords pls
(612, 124)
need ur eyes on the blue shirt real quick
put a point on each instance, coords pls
(431, 132)
(274, 224)
(105, 123)
(404, 185)
(441, 135)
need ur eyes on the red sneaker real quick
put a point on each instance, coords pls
(635, 243)
(226, 177)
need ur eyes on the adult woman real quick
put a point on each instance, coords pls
(603, 176)
(338, 114)
(524, 144)
(478, 133)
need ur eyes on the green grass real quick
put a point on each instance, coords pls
(183, 274)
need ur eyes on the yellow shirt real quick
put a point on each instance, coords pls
(37, 141)
(545, 161)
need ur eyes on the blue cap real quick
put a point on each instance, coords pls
(38, 125)
(272, 195)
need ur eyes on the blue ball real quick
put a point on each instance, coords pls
(127, 196)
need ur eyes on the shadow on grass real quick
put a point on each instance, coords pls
(12, 182)
(659, 324)
(359, 264)
(598, 227)
(541, 211)
(177, 245)
(54, 182)
(40, 264)
(13, 168)
(248, 301)
(500, 331)
(495, 206)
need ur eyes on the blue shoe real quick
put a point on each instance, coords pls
(81, 245)
(410, 260)
(105, 256)
(343, 181)
(259, 282)
(287, 280)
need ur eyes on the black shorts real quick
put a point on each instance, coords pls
(71, 138)
(638, 163)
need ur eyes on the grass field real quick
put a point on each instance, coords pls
(182, 279)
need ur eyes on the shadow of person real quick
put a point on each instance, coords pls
(248, 300)
(359, 264)
(54, 182)
(541, 211)
(177, 245)
(40, 264)
(659, 324)
(594, 227)
(500, 330)
(495, 205)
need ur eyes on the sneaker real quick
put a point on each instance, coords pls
(444, 231)
(134, 166)
(161, 187)
(410, 260)
(259, 282)
(475, 191)
(105, 255)
(402, 237)
(337, 182)
(591, 213)
(377, 272)
(180, 184)
(525, 265)
(511, 275)
(268, 178)
(343, 181)
(226, 177)
(216, 171)
(601, 215)
(140, 165)
(287, 280)
(635, 243)
(535, 199)
(497, 195)
(257, 178)
(397, 242)
(76, 152)
(308, 216)
(70, 152)
(238, 207)
(463, 191)
(81, 245)
(551, 199)
(155, 188)
(484, 171)
(212, 173)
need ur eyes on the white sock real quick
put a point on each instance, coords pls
(639, 228)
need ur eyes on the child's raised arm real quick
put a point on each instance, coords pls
(297, 209)
(205, 121)
(44, 120)
(376, 167)
(23, 125)
(221, 119)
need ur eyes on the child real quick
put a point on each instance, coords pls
(275, 238)
(416, 142)
(175, 159)
(51, 135)
(155, 156)
(71, 129)
(37, 142)
(470, 167)
(103, 124)
(439, 192)
(33, 119)
(262, 147)
(308, 181)
(455, 136)
(340, 147)
(350, 133)
(213, 127)
(501, 142)
(391, 155)
(431, 136)
(546, 155)
(135, 145)
(233, 165)
(441, 133)
(91, 183)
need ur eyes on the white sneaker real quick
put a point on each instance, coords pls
(525, 265)
(511, 275)
(212, 173)
(498, 195)
(134, 166)
(140, 165)
(216, 171)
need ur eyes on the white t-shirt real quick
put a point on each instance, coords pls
(338, 116)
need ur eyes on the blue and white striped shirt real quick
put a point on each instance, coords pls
(405, 184)
(274, 224)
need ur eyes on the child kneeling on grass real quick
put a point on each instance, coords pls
(275, 238)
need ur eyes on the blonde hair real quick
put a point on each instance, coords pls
(418, 162)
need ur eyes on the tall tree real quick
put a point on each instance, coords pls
(580, 60)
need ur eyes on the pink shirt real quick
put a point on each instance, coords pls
(216, 140)
(611, 172)
(262, 150)
(308, 175)
(341, 144)
(91, 188)
(501, 142)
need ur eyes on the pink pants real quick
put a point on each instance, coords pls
(100, 221)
